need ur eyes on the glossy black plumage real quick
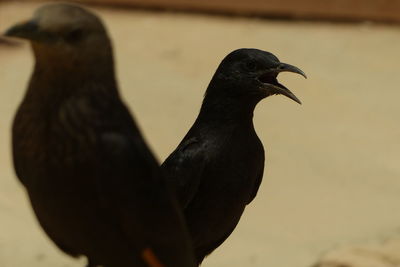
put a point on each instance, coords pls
(218, 167)
(93, 183)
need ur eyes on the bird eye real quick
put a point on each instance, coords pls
(251, 65)
(74, 36)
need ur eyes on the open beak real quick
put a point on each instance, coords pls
(270, 82)
(282, 90)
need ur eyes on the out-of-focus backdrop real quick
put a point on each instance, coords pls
(331, 189)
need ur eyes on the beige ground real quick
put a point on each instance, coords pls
(333, 171)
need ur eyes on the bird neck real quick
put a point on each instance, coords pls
(56, 77)
(224, 109)
(73, 73)
(72, 64)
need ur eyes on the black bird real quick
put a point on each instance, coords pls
(93, 183)
(218, 166)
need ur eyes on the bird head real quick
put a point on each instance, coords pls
(253, 73)
(63, 32)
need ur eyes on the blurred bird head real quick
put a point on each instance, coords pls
(251, 74)
(64, 33)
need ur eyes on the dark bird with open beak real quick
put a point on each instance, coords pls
(93, 183)
(218, 166)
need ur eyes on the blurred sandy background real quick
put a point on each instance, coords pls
(332, 175)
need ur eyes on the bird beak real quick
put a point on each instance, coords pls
(282, 90)
(28, 30)
(272, 85)
(283, 67)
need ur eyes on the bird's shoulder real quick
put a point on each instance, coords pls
(125, 149)
(190, 146)
(189, 150)
(100, 112)
(103, 124)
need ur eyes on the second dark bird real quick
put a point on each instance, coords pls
(217, 168)
(93, 183)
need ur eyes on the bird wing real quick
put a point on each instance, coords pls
(129, 182)
(136, 211)
(137, 195)
(128, 177)
(183, 169)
